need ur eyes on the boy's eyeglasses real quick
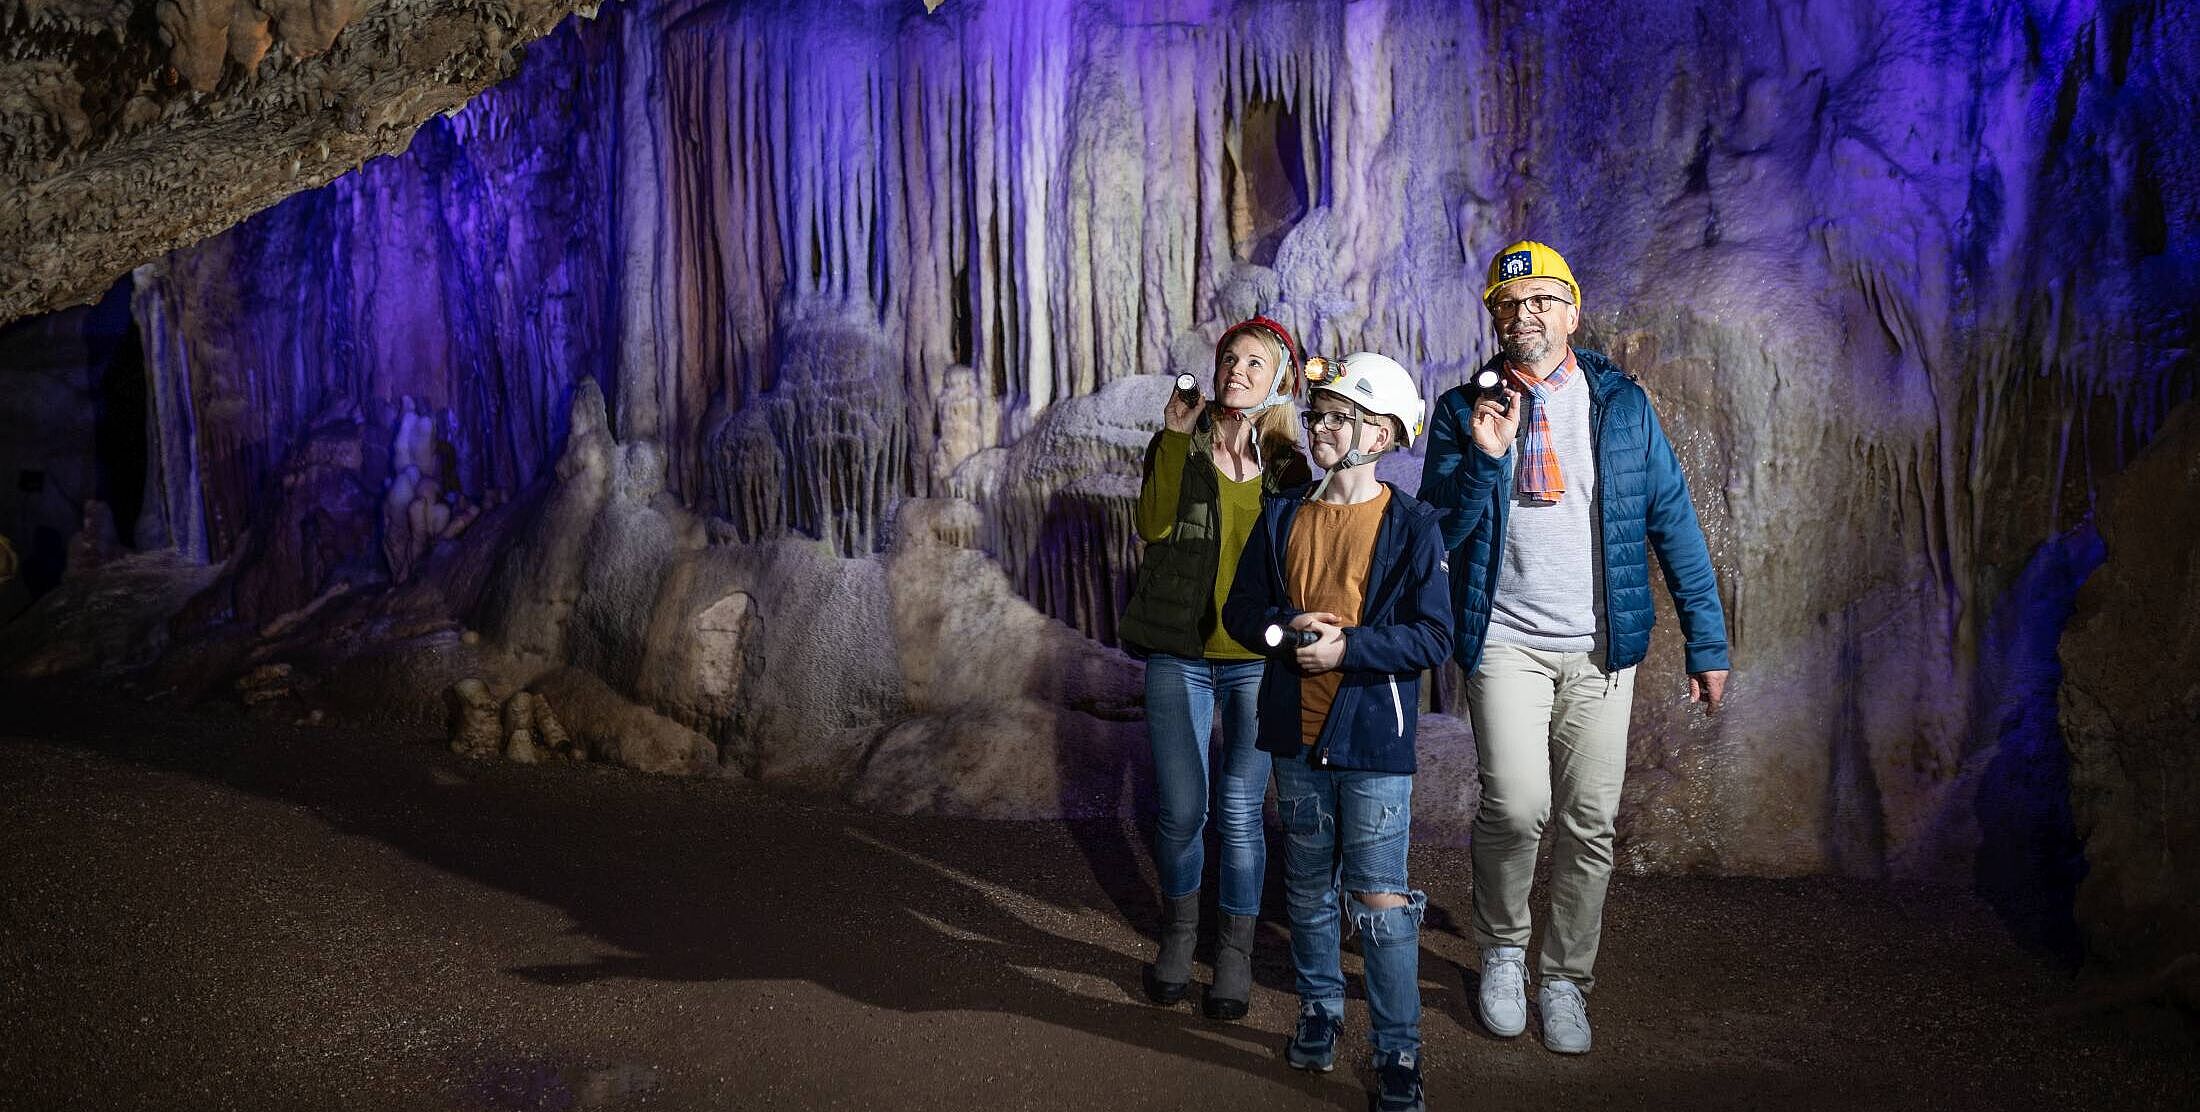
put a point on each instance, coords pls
(1318, 421)
(1506, 308)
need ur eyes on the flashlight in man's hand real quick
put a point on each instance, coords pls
(1278, 636)
(1489, 384)
(1187, 391)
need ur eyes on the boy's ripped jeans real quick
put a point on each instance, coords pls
(1348, 831)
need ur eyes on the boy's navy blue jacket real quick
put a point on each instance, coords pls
(1405, 628)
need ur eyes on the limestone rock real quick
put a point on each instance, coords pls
(519, 748)
(1009, 713)
(968, 420)
(322, 523)
(529, 604)
(421, 502)
(607, 727)
(473, 719)
(115, 618)
(1059, 516)
(188, 132)
(265, 684)
(95, 541)
(2131, 710)
(808, 679)
(628, 549)
(531, 732)
(550, 733)
(825, 451)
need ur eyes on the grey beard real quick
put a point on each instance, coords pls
(1526, 351)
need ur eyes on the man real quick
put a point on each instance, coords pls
(1556, 486)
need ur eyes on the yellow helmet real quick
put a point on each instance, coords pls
(1529, 259)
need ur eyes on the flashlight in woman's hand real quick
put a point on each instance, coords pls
(1278, 636)
(1187, 391)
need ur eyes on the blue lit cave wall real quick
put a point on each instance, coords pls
(776, 375)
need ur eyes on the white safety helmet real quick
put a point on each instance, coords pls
(1377, 384)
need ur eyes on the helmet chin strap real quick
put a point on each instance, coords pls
(1279, 393)
(1353, 457)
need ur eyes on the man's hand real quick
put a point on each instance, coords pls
(1494, 423)
(1708, 688)
(1180, 417)
(1325, 654)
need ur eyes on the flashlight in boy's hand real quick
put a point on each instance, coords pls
(1489, 384)
(1278, 637)
(1187, 391)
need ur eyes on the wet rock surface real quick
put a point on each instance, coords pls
(209, 910)
(2130, 702)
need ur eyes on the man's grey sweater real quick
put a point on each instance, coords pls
(1550, 586)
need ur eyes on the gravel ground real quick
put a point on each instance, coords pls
(205, 910)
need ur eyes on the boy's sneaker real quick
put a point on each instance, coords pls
(1504, 995)
(1398, 1077)
(1314, 1045)
(1565, 1017)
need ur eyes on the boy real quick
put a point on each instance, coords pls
(1345, 588)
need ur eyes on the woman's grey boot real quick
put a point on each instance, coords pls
(1170, 975)
(1233, 968)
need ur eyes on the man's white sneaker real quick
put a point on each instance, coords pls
(1565, 1017)
(1504, 996)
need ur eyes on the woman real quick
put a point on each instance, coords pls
(1205, 475)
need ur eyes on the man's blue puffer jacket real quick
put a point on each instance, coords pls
(1642, 504)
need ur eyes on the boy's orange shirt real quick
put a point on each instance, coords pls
(1325, 567)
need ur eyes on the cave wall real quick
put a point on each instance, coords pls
(72, 407)
(1908, 283)
(413, 309)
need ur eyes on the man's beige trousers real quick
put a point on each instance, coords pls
(1547, 726)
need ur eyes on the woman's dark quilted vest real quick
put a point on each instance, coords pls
(1172, 607)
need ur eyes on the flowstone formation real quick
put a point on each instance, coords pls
(756, 331)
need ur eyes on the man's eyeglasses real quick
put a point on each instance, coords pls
(1331, 421)
(1506, 308)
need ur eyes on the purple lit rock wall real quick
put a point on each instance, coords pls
(1909, 283)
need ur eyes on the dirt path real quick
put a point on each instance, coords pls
(203, 912)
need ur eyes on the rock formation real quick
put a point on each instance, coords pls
(803, 354)
(2130, 701)
(123, 136)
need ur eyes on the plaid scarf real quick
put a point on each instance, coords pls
(1537, 478)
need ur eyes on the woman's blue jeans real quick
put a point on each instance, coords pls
(1183, 700)
(1349, 831)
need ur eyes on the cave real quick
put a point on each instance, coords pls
(1266, 175)
(531, 532)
